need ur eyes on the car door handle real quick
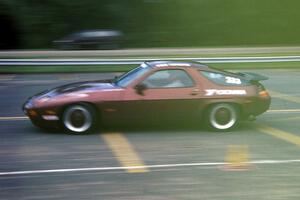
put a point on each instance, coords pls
(195, 92)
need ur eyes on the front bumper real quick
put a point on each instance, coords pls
(39, 117)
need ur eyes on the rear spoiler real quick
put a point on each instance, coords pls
(252, 76)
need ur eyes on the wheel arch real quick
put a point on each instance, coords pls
(236, 105)
(88, 126)
(93, 105)
(209, 115)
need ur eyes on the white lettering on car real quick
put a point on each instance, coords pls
(211, 92)
(233, 80)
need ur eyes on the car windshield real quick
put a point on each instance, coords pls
(132, 75)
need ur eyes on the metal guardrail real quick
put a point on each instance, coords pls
(64, 62)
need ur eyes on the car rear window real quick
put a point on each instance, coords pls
(223, 79)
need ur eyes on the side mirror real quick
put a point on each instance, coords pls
(139, 88)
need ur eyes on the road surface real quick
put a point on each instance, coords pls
(258, 160)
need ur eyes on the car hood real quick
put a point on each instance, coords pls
(88, 86)
(84, 86)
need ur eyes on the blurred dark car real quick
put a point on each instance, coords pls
(90, 39)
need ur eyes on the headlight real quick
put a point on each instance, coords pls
(28, 105)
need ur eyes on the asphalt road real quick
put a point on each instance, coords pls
(258, 160)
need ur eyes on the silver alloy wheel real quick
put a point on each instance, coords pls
(223, 116)
(77, 119)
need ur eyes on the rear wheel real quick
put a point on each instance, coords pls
(79, 119)
(222, 116)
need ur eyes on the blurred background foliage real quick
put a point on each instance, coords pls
(153, 23)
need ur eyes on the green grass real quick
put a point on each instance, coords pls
(168, 23)
(65, 69)
(222, 23)
(158, 56)
(124, 68)
(267, 65)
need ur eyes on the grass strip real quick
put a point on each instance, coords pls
(155, 55)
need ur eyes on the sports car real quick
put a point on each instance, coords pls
(158, 91)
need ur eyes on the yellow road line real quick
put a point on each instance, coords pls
(283, 135)
(284, 96)
(124, 152)
(66, 77)
(6, 77)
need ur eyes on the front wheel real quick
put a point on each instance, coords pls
(222, 116)
(78, 119)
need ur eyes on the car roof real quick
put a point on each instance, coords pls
(177, 63)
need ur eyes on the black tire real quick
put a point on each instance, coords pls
(222, 116)
(79, 119)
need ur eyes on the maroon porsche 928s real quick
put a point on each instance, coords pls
(157, 90)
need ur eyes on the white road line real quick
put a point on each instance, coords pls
(284, 111)
(13, 118)
(98, 169)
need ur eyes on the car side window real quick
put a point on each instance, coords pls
(173, 78)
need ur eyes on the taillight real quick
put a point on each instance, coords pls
(263, 93)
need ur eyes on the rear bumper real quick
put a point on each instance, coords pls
(256, 107)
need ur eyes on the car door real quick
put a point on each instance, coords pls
(168, 95)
